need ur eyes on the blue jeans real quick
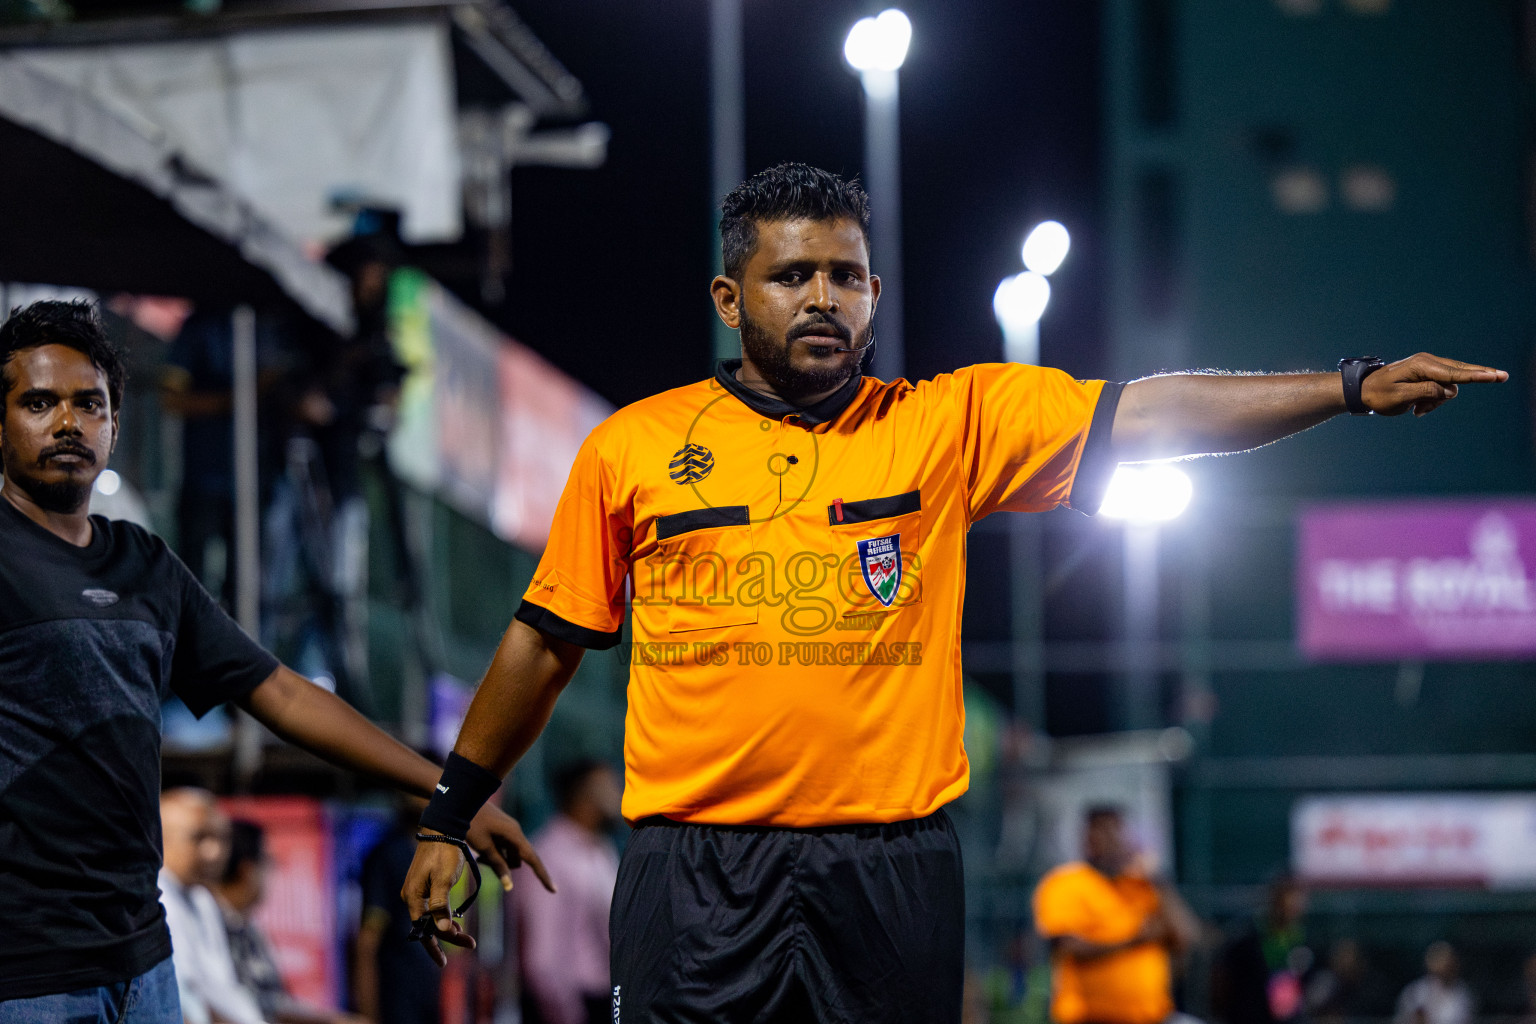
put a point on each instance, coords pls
(148, 999)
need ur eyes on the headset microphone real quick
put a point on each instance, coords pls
(868, 344)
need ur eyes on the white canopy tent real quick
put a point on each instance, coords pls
(297, 120)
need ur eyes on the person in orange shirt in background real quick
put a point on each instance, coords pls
(1113, 931)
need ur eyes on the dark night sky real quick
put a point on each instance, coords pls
(1000, 129)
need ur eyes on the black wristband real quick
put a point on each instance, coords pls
(461, 792)
(1354, 370)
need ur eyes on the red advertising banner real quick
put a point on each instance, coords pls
(298, 914)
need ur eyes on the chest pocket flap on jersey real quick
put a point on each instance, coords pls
(698, 554)
(878, 540)
(867, 510)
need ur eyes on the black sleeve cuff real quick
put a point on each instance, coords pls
(235, 685)
(1097, 464)
(546, 621)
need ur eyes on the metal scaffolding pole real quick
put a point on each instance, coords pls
(1141, 707)
(882, 179)
(728, 146)
(246, 556)
(247, 553)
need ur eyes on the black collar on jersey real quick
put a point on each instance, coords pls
(824, 411)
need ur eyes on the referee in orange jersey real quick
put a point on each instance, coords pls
(793, 533)
(1113, 931)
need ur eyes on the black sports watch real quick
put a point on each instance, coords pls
(1354, 370)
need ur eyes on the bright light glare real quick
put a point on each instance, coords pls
(1046, 247)
(879, 44)
(880, 86)
(1147, 494)
(1020, 301)
(108, 482)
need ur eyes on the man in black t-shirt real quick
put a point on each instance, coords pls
(100, 622)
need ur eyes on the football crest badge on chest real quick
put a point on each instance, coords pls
(880, 560)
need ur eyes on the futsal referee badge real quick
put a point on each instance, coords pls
(880, 559)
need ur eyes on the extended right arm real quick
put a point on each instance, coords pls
(510, 709)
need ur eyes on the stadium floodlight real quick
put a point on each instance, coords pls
(876, 48)
(879, 43)
(1020, 300)
(1018, 304)
(1147, 494)
(1046, 247)
(108, 482)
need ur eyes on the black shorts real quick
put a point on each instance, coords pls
(859, 924)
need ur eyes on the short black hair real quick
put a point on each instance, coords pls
(247, 845)
(1097, 812)
(76, 324)
(785, 192)
(571, 777)
(352, 255)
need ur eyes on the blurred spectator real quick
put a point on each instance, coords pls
(1258, 977)
(196, 838)
(393, 982)
(1440, 997)
(565, 933)
(1112, 931)
(197, 384)
(240, 890)
(1337, 990)
(338, 403)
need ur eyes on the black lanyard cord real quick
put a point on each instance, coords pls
(422, 927)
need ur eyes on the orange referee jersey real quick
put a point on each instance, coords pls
(797, 577)
(1132, 986)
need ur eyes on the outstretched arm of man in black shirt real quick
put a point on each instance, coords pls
(317, 720)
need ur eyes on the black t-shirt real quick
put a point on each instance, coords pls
(92, 639)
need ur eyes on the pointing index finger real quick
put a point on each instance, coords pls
(531, 858)
(1454, 371)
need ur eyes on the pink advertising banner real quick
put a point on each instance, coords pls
(1417, 580)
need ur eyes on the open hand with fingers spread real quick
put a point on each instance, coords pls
(1422, 383)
